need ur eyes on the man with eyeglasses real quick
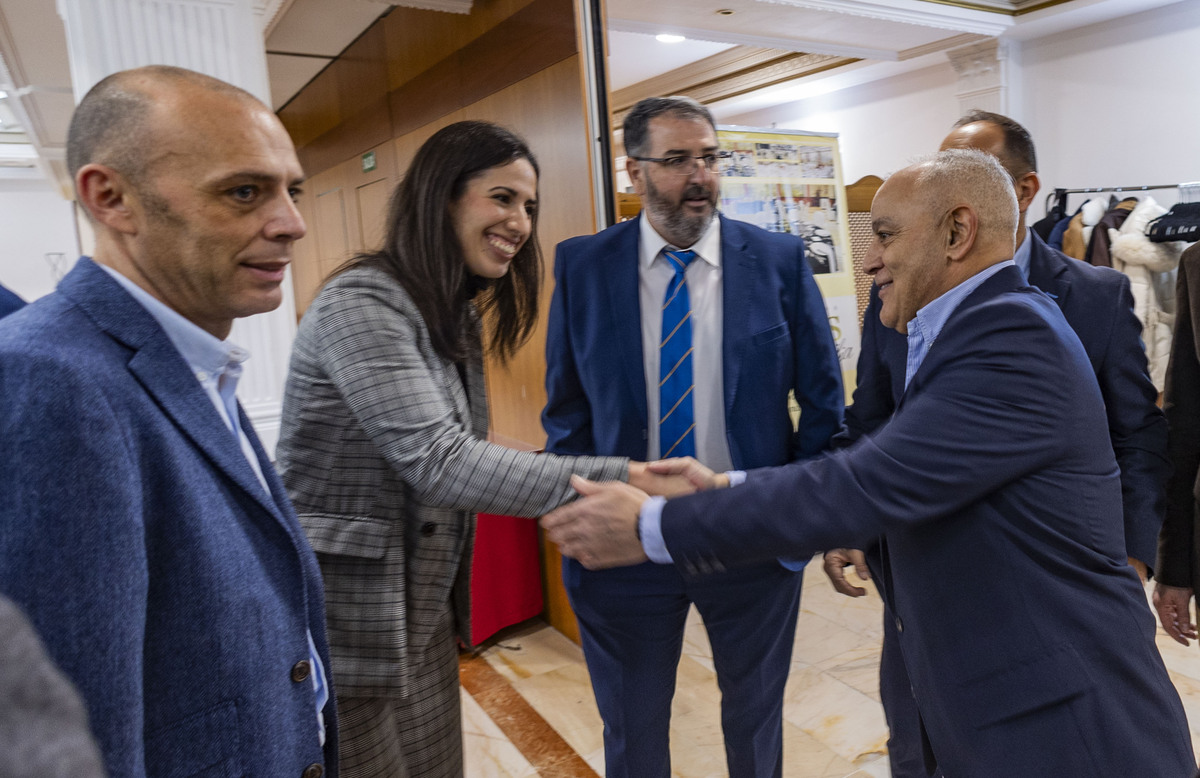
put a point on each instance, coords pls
(681, 333)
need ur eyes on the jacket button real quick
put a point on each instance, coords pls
(313, 771)
(899, 625)
(428, 528)
(301, 671)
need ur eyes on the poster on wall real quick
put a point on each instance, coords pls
(791, 181)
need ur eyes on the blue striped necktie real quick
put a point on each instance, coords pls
(676, 422)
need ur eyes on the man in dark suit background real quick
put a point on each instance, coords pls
(1023, 629)
(754, 328)
(9, 302)
(1098, 306)
(142, 528)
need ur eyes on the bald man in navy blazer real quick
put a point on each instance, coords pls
(1098, 305)
(1024, 630)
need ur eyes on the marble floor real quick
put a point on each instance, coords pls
(528, 707)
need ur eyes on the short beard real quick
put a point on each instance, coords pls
(681, 229)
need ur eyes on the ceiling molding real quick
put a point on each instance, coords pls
(725, 75)
(951, 17)
(783, 44)
(942, 45)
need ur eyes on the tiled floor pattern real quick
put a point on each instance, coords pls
(528, 707)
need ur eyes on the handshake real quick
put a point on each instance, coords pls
(601, 528)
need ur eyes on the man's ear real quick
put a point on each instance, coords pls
(634, 169)
(962, 227)
(107, 196)
(1027, 187)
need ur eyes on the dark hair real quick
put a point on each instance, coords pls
(421, 249)
(636, 128)
(1019, 155)
(111, 124)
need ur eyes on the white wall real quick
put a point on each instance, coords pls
(34, 221)
(1111, 104)
(1117, 103)
(881, 125)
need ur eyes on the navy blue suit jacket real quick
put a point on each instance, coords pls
(9, 302)
(167, 584)
(1098, 305)
(1026, 635)
(776, 338)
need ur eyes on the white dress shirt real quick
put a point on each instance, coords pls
(704, 294)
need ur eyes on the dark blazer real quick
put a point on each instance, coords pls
(1098, 305)
(167, 584)
(9, 302)
(1179, 544)
(1026, 635)
(595, 379)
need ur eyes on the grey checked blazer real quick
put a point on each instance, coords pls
(382, 450)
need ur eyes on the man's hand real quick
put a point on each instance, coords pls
(1140, 567)
(600, 529)
(674, 477)
(836, 562)
(700, 477)
(1171, 602)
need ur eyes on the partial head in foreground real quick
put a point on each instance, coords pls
(935, 224)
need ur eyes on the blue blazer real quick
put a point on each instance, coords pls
(1026, 635)
(776, 338)
(9, 302)
(1098, 305)
(167, 584)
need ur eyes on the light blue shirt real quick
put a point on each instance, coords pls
(922, 332)
(1024, 252)
(925, 327)
(217, 365)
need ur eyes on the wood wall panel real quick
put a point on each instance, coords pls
(535, 37)
(418, 39)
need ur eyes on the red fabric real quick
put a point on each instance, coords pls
(506, 574)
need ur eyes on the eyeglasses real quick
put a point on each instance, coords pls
(686, 165)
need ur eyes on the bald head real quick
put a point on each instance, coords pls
(937, 223)
(956, 177)
(114, 124)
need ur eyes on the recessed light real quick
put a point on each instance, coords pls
(668, 38)
(725, 12)
(3, 94)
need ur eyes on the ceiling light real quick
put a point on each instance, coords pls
(668, 38)
(3, 94)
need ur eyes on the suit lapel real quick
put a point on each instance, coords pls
(737, 281)
(164, 374)
(618, 274)
(1047, 270)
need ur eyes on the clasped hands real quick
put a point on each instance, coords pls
(601, 528)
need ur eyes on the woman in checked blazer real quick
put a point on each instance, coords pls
(383, 446)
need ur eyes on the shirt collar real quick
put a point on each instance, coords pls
(206, 355)
(1024, 251)
(707, 248)
(930, 319)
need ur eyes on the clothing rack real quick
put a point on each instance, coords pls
(1188, 192)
